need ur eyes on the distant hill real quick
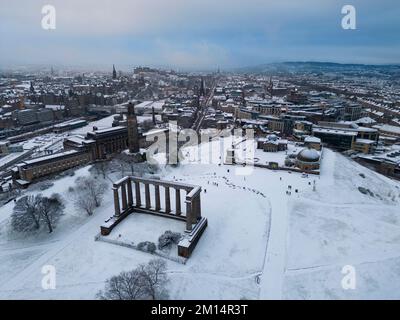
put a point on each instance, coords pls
(314, 66)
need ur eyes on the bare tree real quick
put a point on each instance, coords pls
(25, 216)
(133, 165)
(126, 162)
(94, 188)
(50, 209)
(84, 202)
(146, 282)
(101, 168)
(154, 279)
(125, 286)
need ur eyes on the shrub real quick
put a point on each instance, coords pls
(168, 238)
(147, 246)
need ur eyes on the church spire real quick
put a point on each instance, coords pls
(114, 74)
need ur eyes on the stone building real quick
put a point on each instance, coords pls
(302, 129)
(103, 143)
(275, 146)
(296, 97)
(364, 145)
(308, 160)
(339, 139)
(275, 123)
(272, 143)
(268, 109)
(30, 170)
(100, 143)
(353, 111)
(383, 164)
(313, 143)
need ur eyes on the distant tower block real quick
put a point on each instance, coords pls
(133, 135)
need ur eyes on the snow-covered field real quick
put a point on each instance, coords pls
(260, 242)
(261, 157)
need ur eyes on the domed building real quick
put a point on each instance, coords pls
(308, 159)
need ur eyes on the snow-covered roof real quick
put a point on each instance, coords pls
(53, 156)
(388, 128)
(365, 120)
(312, 139)
(55, 107)
(365, 141)
(308, 155)
(335, 131)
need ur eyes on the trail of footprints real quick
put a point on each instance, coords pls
(227, 182)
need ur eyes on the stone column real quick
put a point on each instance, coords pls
(199, 208)
(147, 195)
(137, 192)
(117, 210)
(193, 216)
(130, 196)
(178, 210)
(124, 201)
(167, 201)
(188, 214)
(157, 191)
(196, 214)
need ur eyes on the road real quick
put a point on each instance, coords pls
(203, 108)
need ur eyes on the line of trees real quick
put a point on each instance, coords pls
(31, 212)
(124, 164)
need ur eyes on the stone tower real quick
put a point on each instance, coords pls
(153, 114)
(270, 88)
(202, 88)
(133, 134)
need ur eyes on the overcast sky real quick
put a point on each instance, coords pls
(201, 34)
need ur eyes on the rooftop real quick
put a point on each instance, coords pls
(50, 157)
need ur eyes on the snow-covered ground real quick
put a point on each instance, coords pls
(260, 242)
(250, 152)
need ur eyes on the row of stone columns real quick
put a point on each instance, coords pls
(127, 198)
